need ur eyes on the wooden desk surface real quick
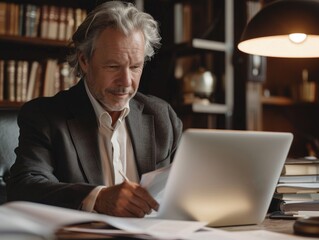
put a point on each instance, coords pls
(275, 225)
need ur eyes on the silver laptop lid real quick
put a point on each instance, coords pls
(224, 177)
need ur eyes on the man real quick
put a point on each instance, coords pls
(75, 148)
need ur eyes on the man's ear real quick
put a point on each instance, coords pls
(83, 62)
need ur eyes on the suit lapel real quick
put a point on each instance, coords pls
(83, 130)
(141, 127)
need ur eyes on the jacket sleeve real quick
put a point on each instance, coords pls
(33, 176)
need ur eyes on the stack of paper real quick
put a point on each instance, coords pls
(298, 186)
(32, 221)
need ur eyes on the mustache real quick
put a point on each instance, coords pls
(121, 90)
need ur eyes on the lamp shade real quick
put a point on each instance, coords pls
(284, 28)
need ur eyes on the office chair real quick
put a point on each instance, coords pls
(9, 133)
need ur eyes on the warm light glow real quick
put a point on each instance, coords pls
(281, 46)
(297, 37)
(283, 28)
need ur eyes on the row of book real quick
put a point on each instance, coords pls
(22, 81)
(49, 22)
(193, 19)
(298, 186)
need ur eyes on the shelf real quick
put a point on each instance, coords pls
(285, 101)
(280, 101)
(8, 104)
(197, 44)
(215, 108)
(209, 45)
(34, 41)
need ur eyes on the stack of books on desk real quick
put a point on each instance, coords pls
(298, 186)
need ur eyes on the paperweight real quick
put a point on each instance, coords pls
(307, 226)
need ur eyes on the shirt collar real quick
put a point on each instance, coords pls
(102, 115)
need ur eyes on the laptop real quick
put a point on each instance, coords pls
(224, 177)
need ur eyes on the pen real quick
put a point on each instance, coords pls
(123, 175)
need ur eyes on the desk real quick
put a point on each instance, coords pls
(275, 225)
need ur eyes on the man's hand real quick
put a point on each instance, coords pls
(127, 199)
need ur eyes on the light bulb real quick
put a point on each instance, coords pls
(297, 37)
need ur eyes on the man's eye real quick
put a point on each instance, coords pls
(111, 67)
(135, 67)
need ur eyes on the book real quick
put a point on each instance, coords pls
(297, 196)
(49, 88)
(3, 7)
(34, 219)
(32, 20)
(21, 80)
(187, 22)
(62, 24)
(78, 17)
(301, 166)
(12, 17)
(69, 28)
(38, 85)
(11, 78)
(298, 178)
(297, 187)
(21, 20)
(44, 32)
(18, 86)
(25, 79)
(178, 23)
(53, 22)
(32, 79)
(293, 207)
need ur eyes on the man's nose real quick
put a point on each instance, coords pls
(126, 77)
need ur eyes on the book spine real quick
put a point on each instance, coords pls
(31, 82)
(53, 22)
(3, 10)
(18, 87)
(70, 24)
(44, 21)
(11, 70)
(62, 24)
(24, 80)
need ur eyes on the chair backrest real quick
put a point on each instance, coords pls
(9, 133)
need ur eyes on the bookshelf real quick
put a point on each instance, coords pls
(195, 35)
(33, 46)
(209, 40)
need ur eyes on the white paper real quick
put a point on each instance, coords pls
(45, 220)
(154, 182)
(159, 228)
(307, 214)
(108, 232)
(209, 234)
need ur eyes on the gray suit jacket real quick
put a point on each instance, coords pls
(58, 161)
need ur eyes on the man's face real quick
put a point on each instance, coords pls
(114, 71)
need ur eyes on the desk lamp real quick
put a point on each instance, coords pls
(284, 28)
(290, 29)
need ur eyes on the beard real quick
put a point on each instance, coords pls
(116, 99)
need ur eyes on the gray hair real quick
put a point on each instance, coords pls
(123, 16)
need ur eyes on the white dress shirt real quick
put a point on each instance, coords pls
(116, 157)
